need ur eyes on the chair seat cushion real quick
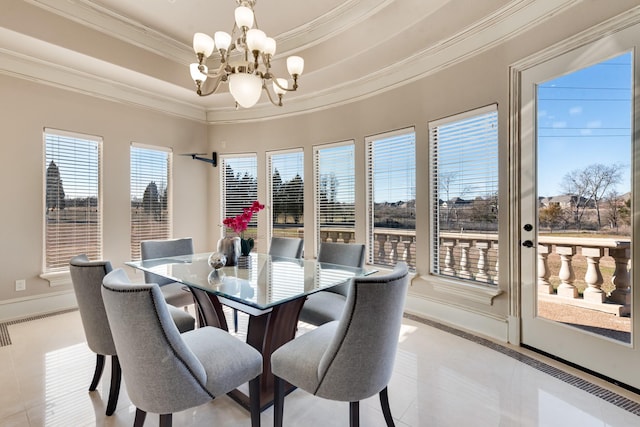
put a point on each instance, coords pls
(183, 320)
(226, 360)
(176, 294)
(322, 307)
(297, 361)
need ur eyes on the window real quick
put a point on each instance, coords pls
(150, 195)
(464, 189)
(391, 159)
(286, 185)
(239, 188)
(334, 189)
(73, 205)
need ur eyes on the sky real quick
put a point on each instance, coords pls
(585, 118)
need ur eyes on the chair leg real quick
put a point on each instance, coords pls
(165, 420)
(278, 401)
(114, 391)
(354, 414)
(254, 401)
(235, 320)
(139, 419)
(386, 410)
(98, 372)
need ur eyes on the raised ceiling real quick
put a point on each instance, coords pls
(139, 51)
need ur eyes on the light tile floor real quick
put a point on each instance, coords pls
(440, 379)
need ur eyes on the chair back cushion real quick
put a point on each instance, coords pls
(87, 281)
(151, 249)
(358, 362)
(350, 254)
(288, 247)
(161, 373)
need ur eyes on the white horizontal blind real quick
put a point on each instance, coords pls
(391, 167)
(286, 192)
(150, 195)
(335, 191)
(464, 189)
(73, 205)
(239, 177)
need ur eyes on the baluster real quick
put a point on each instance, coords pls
(449, 258)
(464, 259)
(406, 256)
(496, 270)
(393, 254)
(483, 248)
(593, 276)
(622, 293)
(382, 255)
(566, 274)
(544, 286)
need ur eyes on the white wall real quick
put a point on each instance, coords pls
(27, 108)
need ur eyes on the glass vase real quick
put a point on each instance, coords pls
(230, 247)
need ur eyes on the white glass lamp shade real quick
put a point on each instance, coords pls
(244, 17)
(284, 83)
(222, 39)
(196, 74)
(269, 46)
(256, 39)
(203, 43)
(245, 89)
(295, 65)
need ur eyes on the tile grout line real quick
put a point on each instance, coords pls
(584, 385)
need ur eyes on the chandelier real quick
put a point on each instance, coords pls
(249, 72)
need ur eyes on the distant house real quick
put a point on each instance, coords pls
(565, 201)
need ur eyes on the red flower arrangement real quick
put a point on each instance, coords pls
(239, 224)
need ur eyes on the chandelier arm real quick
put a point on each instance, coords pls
(219, 80)
(279, 103)
(293, 89)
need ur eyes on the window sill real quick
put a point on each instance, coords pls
(58, 278)
(468, 291)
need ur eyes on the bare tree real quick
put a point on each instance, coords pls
(575, 184)
(602, 178)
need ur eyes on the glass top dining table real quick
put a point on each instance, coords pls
(271, 290)
(264, 283)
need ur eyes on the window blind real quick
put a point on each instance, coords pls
(334, 189)
(239, 189)
(150, 195)
(286, 192)
(73, 205)
(391, 162)
(464, 188)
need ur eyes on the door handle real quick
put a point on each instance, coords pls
(527, 244)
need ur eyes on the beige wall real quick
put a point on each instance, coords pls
(27, 108)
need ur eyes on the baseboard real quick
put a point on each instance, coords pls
(20, 308)
(418, 305)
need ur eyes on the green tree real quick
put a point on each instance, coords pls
(55, 197)
(151, 201)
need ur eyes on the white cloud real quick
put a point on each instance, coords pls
(559, 125)
(574, 111)
(594, 124)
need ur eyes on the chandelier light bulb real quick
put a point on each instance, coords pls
(245, 89)
(222, 39)
(196, 74)
(244, 17)
(203, 43)
(256, 39)
(269, 46)
(295, 65)
(284, 83)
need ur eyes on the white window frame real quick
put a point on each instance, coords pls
(224, 213)
(270, 155)
(317, 150)
(135, 249)
(58, 276)
(433, 194)
(371, 243)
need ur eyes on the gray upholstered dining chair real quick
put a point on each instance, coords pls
(326, 306)
(288, 247)
(350, 359)
(174, 293)
(165, 371)
(86, 277)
